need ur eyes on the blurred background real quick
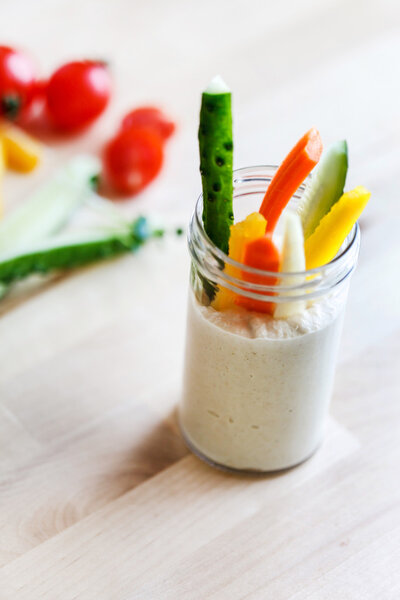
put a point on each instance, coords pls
(293, 64)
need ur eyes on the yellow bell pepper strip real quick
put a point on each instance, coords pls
(260, 254)
(245, 231)
(22, 153)
(322, 246)
(292, 261)
(251, 228)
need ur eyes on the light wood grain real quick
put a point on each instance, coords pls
(180, 518)
(99, 498)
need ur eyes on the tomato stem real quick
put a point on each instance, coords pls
(10, 105)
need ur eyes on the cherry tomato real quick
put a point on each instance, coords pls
(77, 93)
(36, 107)
(132, 159)
(40, 89)
(149, 117)
(17, 81)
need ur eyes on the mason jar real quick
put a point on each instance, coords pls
(257, 388)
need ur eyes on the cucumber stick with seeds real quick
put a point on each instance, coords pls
(74, 249)
(325, 187)
(216, 162)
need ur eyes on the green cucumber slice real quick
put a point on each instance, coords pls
(74, 249)
(216, 162)
(50, 207)
(325, 187)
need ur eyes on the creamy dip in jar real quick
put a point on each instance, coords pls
(257, 389)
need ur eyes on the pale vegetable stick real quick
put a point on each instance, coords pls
(292, 261)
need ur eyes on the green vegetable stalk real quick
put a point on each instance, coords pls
(325, 187)
(216, 162)
(49, 208)
(75, 249)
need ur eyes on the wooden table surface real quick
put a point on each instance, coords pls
(99, 498)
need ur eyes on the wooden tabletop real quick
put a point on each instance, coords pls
(99, 498)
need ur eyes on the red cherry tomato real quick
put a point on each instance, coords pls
(77, 93)
(132, 159)
(17, 81)
(36, 106)
(149, 117)
(40, 89)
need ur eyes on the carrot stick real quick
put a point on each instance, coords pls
(290, 175)
(260, 254)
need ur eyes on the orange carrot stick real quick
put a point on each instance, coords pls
(260, 254)
(290, 175)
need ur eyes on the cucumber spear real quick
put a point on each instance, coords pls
(49, 208)
(216, 164)
(325, 188)
(75, 249)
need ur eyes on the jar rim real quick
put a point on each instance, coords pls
(333, 272)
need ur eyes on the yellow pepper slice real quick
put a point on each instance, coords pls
(22, 153)
(322, 245)
(251, 228)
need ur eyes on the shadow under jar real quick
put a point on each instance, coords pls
(256, 388)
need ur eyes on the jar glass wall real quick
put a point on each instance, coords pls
(257, 387)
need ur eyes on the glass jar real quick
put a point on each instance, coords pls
(256, 388)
